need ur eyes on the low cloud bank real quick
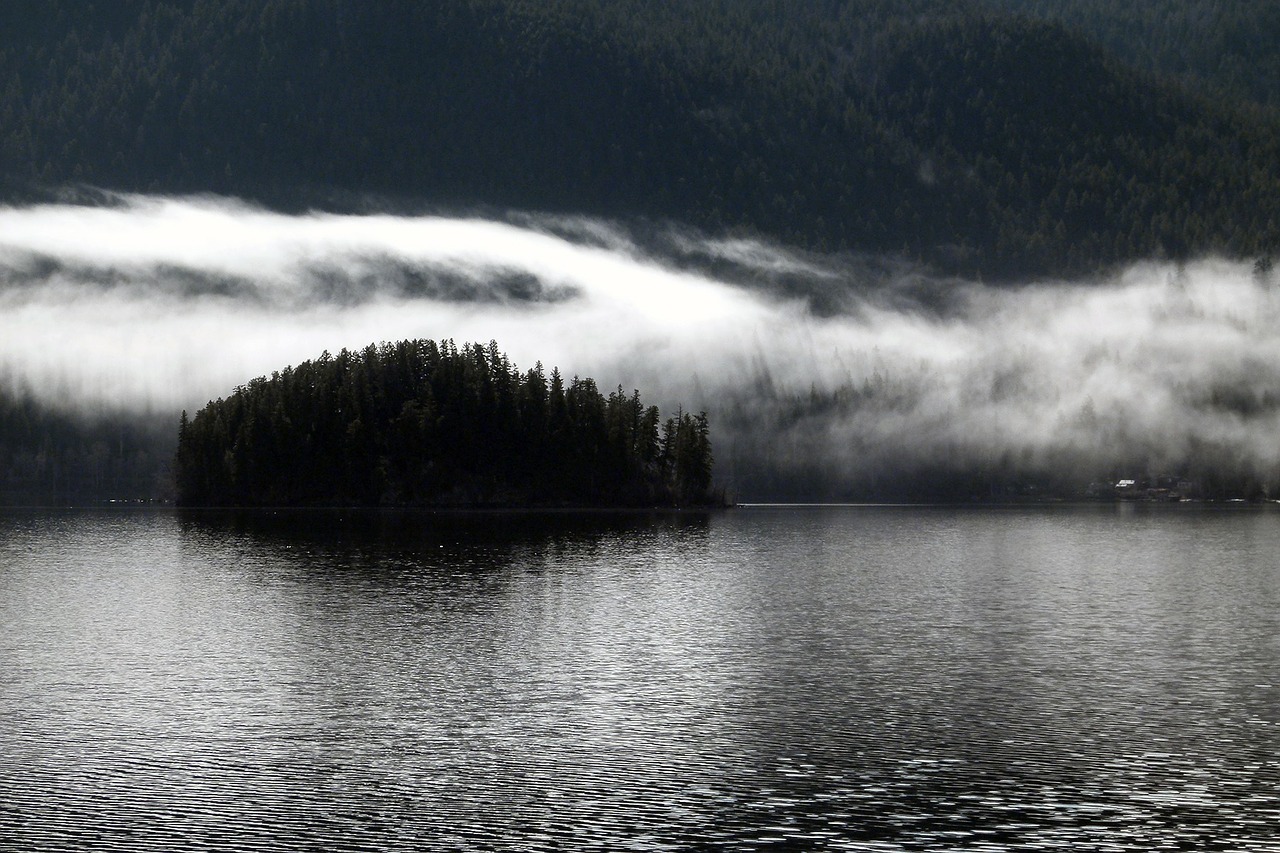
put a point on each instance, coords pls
(825, 376)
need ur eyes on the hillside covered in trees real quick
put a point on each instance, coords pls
(985, 137)
(54, 458)
(1226, 48)
(417, 423)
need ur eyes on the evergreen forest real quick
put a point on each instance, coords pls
(52, 457)
(416, 423)
(989, 138)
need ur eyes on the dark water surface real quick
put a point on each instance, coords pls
(1102, 678)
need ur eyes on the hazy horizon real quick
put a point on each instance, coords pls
(848, 364)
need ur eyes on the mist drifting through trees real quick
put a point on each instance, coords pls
(896, 249)
(981, 136)
(823, 376)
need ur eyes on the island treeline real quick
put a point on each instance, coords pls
(982, 136)
(420, 423)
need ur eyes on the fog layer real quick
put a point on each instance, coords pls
(831, 371)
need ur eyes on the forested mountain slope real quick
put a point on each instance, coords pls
(981, 141)
(54, 458)
(1227, 47)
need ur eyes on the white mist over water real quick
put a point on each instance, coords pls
(161, 304)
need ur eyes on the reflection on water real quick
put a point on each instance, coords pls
(833, 678)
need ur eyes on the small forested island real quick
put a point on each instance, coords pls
(416, 423)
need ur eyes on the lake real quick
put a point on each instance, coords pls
(825, 678)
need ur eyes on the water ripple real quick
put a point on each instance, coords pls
(819, 680)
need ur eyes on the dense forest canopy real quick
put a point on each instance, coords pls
(1226, 48)
(985, 137)
(417, 423)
